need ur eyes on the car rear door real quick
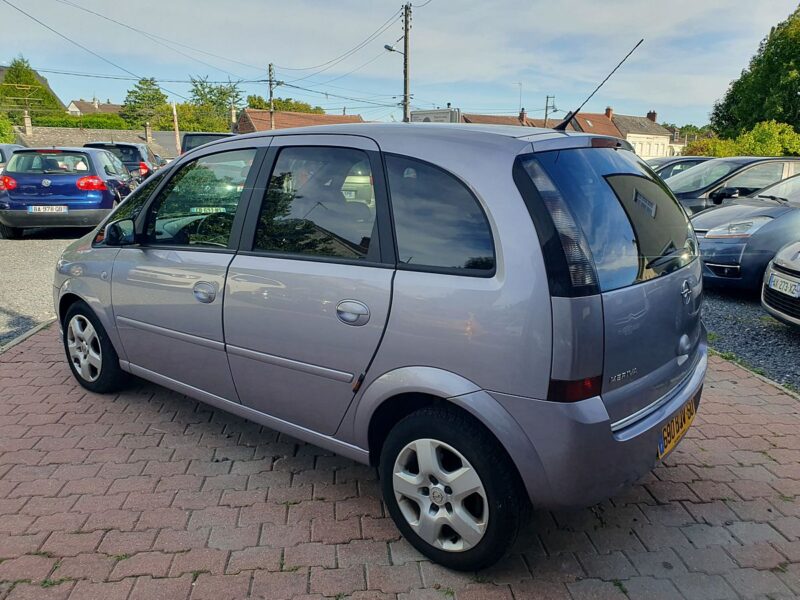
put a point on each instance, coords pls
(168, 291)
(308, 294)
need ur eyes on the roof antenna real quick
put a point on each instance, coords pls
(570, 115)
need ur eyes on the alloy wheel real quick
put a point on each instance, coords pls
(83, 345)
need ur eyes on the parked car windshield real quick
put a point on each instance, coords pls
(701, 176)
(52, 163)
(635, 228)
(788, 188)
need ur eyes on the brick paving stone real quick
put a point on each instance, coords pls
(146, 494)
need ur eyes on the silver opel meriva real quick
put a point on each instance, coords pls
(495, 317)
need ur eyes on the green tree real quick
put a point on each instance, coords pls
(287, 104)
(21, 90)
(215, 97)
(191, 117)
(90, 121)
(6, 130)
(142, 102)
(769, 88)
(710, 146)
(769, 138)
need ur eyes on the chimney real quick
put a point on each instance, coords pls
(652, 116)
(148, 133)
(448, 105)
(523, 116)
(27, 123)
(609, 112)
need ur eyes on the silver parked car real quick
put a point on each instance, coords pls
(495, 318)
(780, 293)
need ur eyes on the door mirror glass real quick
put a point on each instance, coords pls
(109, 170)
(119, 233)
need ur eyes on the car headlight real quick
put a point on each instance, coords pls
(741, 229)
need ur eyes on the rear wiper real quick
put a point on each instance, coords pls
(665, 258)
(776, 198)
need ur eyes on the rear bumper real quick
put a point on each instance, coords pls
(74, 218)
(584, 461)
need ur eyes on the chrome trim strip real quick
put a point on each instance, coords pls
(171, 333)
(710, 264)
(654, 406)
(288, 363)
(307, 435)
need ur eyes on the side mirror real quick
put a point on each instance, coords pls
(160, 161)
(109, 170)
(721, 194)
(120, 233)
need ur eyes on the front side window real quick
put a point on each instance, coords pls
(702, 176)
(321, 202)
(438, 221)
(758, 176)
(198, 204)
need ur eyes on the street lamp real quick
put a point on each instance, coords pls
(393, 49)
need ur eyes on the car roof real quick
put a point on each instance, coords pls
(61, 149)
(95, 144)
(746, 160)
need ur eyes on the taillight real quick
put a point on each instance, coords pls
(7, 183)
(574, 391)
(143, 169)
(91, 183)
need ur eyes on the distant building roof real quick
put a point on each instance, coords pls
(40, 79)
(256, 119)
(638, 125)
(44, 137)
(88, 107)
(520, 120)
(597, 123)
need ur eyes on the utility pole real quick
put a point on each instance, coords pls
(406, 48)
(175, 127)
(549, 104)
(271, 102)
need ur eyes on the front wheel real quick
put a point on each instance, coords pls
(92, 359)
(10, 233)
(451, 489)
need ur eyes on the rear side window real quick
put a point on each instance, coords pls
(438, 222)
(50, 163)
(617, 224)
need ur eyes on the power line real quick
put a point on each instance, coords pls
(149, 36)
(81, 46)
(305, 89)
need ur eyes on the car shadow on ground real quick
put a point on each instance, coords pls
(16, 324)
(56, 233)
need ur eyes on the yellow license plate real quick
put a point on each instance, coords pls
(672, 431)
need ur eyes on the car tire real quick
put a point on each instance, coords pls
(10, 233)
(90, 354)
(419, 462)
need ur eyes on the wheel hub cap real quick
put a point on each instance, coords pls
(83, 347)
(440, 495)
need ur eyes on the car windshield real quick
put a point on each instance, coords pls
(52, 163)
(788, 188)
(701, 176)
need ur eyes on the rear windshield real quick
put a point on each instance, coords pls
(55, 163)
(190, 142)
(633, 226)
(701, 176)
(127, 154)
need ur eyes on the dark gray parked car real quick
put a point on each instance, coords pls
(6, 150)
(668, 166)
(473, 326)
(714, 181)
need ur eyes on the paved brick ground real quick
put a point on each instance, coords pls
(150, 495)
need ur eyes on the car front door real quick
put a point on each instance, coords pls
(308, 294)
(168, 291)
(756, 177)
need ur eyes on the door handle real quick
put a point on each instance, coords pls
(204, 292)
(352, 312)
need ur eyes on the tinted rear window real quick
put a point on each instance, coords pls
(190, 142)
(127, 154)
(55, 163)
(635, 228)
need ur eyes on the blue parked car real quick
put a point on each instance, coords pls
(738, 240)
(60, 187)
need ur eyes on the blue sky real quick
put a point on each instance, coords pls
(471, 53)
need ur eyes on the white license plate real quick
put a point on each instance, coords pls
(349, 194)
(48, 209)
(784, 286)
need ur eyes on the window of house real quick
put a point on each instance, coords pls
(438, 221)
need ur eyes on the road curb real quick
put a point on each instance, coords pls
(758, 376)
(31, 332)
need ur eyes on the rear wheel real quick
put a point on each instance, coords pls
(451, 489)
(10, 233)
(92, 359)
